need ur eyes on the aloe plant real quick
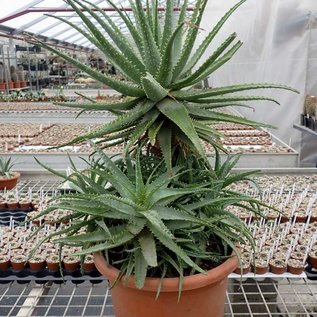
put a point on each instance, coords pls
(6, 165)
(158, 61)
(155, 224)
(165, 215)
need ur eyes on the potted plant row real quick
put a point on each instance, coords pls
(157, 218)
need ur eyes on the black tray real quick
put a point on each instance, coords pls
(26, 275)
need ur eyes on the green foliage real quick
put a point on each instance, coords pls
(6, 165)
(158, 60)
(150, 223)
(162, 211)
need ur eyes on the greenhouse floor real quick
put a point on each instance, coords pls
(286, 297)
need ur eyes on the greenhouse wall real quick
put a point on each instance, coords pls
(279, 39)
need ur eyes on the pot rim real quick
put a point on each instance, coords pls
(15, 176)
(151, 284)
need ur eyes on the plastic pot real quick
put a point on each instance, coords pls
(295, 266)
(89, 267)
(18, 263)
(202, 295)
(4, 262)
(260, 269)
(277, 266)
(243, 270)
(312, 259)
(52, 266)
(71, 264)
(37, 265)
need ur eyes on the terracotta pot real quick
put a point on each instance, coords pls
(89, 267)
(52, 263)
(9, 183)
(37, 266)
(4, 262)
(284, 219)
(295, 270)
(295, 267)
(10, 85)
(301, 218)
(18, 263)
(313, 261)
(260, 269)
(71, 265)
(2, 86)
(244, 270)
(12, 204)
(202, 295)
(24, 205)
(17, 84)
(23, 84)
(277, 269)
(53, 266)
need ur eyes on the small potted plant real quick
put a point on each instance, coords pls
(12, 202)
(277, 266)
(260, 265)
(18, 261)
(8, 178)
(24, 201)
(37, 262)
(89, 264)
(52, 261)
(295, 266)
(71, 263)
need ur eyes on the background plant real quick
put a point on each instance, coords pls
(6, 165)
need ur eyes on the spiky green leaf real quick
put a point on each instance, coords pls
(148, 248)
(178, 114)
(153, 89)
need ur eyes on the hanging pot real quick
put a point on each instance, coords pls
(202, 295)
